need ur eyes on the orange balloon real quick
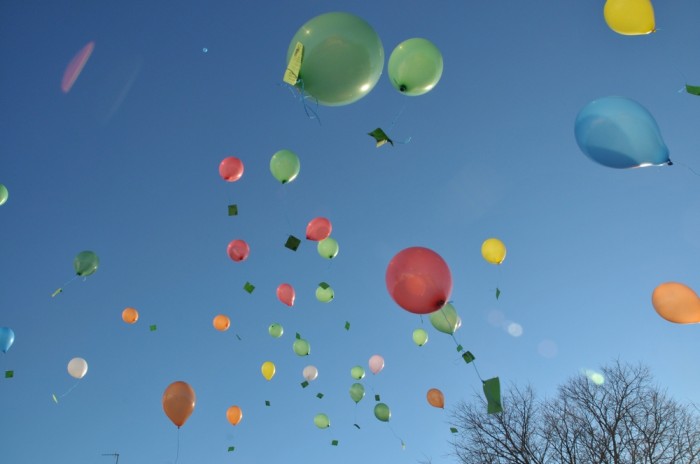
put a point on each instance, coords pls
(222, 322)
(436, 398)
(676, 303)
(178, 402)
(130, 315)
(234, 415)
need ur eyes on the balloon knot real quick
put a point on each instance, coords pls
(440, 304)
(670, 163)
(402, 88)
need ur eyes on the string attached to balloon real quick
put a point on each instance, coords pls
(56, 398)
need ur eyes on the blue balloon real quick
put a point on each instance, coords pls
(7, 338)
(620, 133)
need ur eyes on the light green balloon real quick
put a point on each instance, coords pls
(85, 263)
(285, 166)
(415, 66)
(357, 392)
(446, 319)
(321, 421)
(357, 372)
(420, 337)
(301, 347)
(342, 60)
(328, 248)
(275, 330)
(324, 293)
(4, 194)
(382, 412)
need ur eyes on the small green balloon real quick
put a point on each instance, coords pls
(285, 166)
(324, 293)
(328, 248)
(357, 372)
(382, 412)
(446, 319)
(420, 337)
(357, 392)
(301, 347)
(321, 421)
(85, 263)
(4, 194)
(415, 66)
(275, 330)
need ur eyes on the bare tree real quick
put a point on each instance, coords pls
(625, 419)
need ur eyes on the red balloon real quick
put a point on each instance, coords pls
(419, 280)
(286, 295)
(318, 229)
(231, 169)
(238, 250)
(178, 402)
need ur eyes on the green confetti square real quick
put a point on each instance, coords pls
(233, 210)
(152, 327)
(498, 293)
(460, 348)
(377, 398)
(334, 443)
(292, 243)
(453, 429)
(248, 287)
(347, 325)
(324, 285)
(468, 357)
(298, 337)
(267, 403)
(9, 374)
(319, 395)
(304, 384)
(231, 448)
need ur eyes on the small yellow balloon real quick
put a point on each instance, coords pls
(493, 251)
(268, 370)
(630, 17)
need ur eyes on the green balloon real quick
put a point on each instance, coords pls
(301, 347)
(446, 319)
(357, 372)
(420, 337)
(357, 392)
(85, 263)
(276, 330)
(4, 194)
(321, 421)
(328, 248)
(415, 67)
(285, 166)
(324, 293)
(382, 412)
(342, 59)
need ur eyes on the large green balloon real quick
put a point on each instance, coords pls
(324, 293)
(420, 337)
(321, 421)
(446, 319)
(357, 372)
(328, 248)
(301, 347)
(357, 392)
(342, 60)
(85, 263)
(382, 412)
(275, 330)
(415, 67)
(285, 166)
(4, 193)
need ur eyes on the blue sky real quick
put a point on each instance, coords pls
(126, 164)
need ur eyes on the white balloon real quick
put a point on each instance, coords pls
(77, 367)
(310, 373)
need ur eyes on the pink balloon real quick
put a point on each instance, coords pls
(231, 169)
(76, 66)
(286, 295)
(318, 229)
(419, 280)
(376, 364)
(238, 250)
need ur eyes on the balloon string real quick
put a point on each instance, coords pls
(60, 289)
(395, 120)
(687, 167)
(56, 398)
(403, 445)
(473, 363)
(311, 113)
(285, 207)
(177, 452)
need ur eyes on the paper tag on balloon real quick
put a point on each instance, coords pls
(291, 75)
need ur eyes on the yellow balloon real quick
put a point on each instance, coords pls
(630, 17)
(268, 369)
(493, 251)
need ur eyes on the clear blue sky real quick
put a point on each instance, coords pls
(126, 164)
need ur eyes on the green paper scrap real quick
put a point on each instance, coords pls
(292, 243)
(381, 137)
(291, 74)
(55, 400)
(298, 337)
(238, 337)
(248, 287)
(9, 374)
(267, 403)
(403, 445)
(324, 285)
(692, 89)
(231, 448)
(468, 357)
(376, 398)
(347, 325)
(58, 290)
(319, 395)
(304, 384)
(460, 348)
(152, 328)
(334, 443)
(358, 427)
(233, 210)
(492, 391)
(453, 429)
(498, 292)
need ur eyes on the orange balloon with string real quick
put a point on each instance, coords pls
(221, 323)
(130, 315)
(436, 398)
